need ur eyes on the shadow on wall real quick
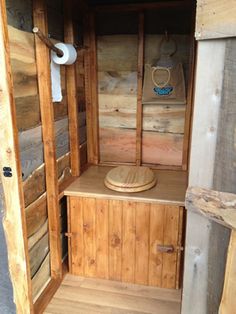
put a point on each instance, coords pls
(7, 305)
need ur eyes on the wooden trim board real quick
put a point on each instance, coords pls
(139, 90)
(47, 117)
(14, 221)
(71, 89)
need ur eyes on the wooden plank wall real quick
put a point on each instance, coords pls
(163, 126)
(118, 240)
(23, 62)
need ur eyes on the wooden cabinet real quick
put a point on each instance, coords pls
(135, 242)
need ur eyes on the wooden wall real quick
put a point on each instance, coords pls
(163, 125)
(23, 62)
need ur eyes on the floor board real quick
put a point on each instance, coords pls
(79, 295)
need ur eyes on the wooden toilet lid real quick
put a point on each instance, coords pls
(130, 179)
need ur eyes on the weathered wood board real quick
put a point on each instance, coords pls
(41, 278)
(38, 253)
(215, 19)
(118, 145)
(22, 52)
(120, 241)
(163, 126)
(31, 146)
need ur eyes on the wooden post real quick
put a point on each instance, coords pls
(14, 221)
(71, 89)
(47, 116)
(91, 90)
(228, 301)
(139, 90)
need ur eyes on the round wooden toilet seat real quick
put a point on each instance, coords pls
(130, 179)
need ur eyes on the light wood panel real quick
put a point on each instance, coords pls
(156, 238)
(215, 19)
(115, 239)
(14, 219)
(76, 243)
(102, 244)
(47, 115)
(91, 184)
(121, 242)
(89, 225)
(90, 296)
(142, 230)
(128, 242)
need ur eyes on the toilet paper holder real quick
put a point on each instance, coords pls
(50, 44)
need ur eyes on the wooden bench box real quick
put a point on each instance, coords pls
(123, 237)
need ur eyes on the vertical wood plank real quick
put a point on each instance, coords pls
(71, 90)
(102, 238)
(189, 105)
(171, 223)
(91, 90)
(179, 251)
(75, 218)
(128, 243)
(139, 90)
(156, 238)
(115, 239)
(14, 219)
(94, 87)
(47, 117)
(89, 227)
(87, 86)
(142, 243)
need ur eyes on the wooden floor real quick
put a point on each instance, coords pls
(89, 296)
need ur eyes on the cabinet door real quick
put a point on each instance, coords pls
(126, 241)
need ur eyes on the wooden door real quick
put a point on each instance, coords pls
(125, 241)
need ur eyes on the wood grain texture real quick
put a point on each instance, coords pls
(36, 215)
(89, 225)
(31, 145)
(90, 184)
(128, 242)
(171, 231)
(142, 231)
(215, 19)
(41, 278)
(71, 89)
(115, 239)
(120, 239)
(218, 206)
(76, 243)
(140, 68)
(90, 296)
(224, 172)
(90, 74)
(14, 222)
(158, 148)
(38, 253)
(157, 213)
(35, 185)
(102, 226)
(47, 116)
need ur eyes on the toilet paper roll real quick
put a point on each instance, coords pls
(69, 54)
